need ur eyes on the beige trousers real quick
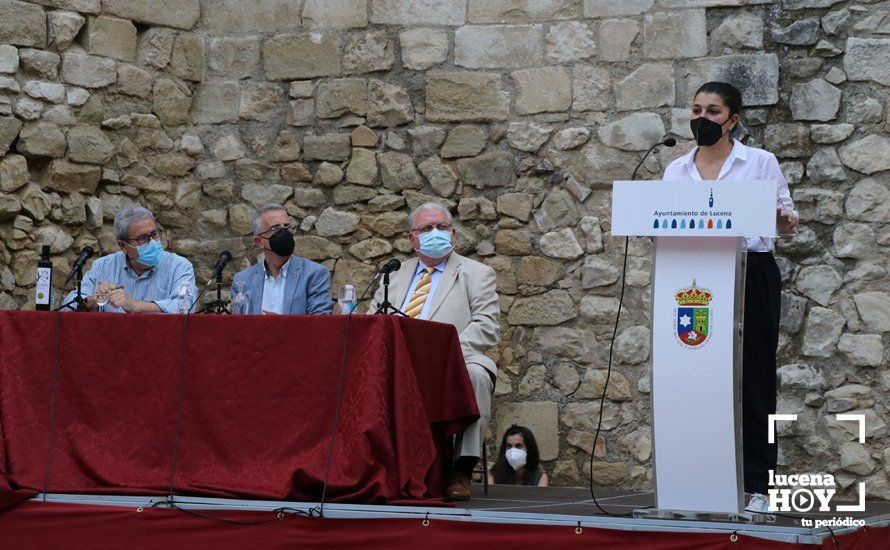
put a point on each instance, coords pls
(470, 443)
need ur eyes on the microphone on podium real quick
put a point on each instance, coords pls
(669, 142)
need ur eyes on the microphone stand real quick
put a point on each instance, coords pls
(78, 297)
(219, 306)
(386, 308)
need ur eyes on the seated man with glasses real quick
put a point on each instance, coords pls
(141, 277)
(281, 283)
(443, 286)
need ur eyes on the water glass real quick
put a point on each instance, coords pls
(347, 299)
(240, 301)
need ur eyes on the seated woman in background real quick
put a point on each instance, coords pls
(518, 460)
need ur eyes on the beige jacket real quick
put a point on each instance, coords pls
(466, 298)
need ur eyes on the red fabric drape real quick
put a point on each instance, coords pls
(259, 396)
(37, 525)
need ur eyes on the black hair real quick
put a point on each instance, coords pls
(502, 472)
(730, 95)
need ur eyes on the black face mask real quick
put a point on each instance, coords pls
(282, 242)
(706, 131)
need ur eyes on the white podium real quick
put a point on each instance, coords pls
(697, 294)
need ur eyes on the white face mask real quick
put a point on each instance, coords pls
(516, 458)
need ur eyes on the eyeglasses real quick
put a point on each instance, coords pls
(143, 240)
(444, 226)
(277, 229)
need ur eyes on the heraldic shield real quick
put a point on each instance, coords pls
(693, 317)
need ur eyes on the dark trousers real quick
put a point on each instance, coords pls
(763, 293)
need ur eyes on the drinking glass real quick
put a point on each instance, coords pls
(240, 301)
(347, 299)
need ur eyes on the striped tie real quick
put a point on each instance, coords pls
(415, 305)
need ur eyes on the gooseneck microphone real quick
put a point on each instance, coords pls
(82, 258)
(669, 142)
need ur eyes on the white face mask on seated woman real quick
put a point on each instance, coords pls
(515, 457)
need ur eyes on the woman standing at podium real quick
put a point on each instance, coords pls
(718, 156)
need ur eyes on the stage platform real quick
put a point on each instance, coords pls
(565, 506)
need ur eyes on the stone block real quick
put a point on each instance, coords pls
(62, 28)
(787, 140)
(649, 86)
(510, 11)
(9, 131)
(465, 96)
(636, 132)
(561, 244)
(69, 177)
(464, 141)
(9, 58)
(869, 201)
(301, 56)
(155, 46)
(180, 14)
(441, 176)
(874, 310)
(335, 14)
(592, 90)
(84, 6)
(615, 37)
(538, 416)
(187, 57)
(334, 223)
(228, 147)
(133, 81)
(332, 147)
(546, 89)
(301, 112)
(261, 101)
(527, 136)
(111, 37)
(755, 75)
(397, 171)
(498, 46)
(362, 167)
(868, 59)
(41, 139)
(423, 48)
(231, 57)
(419, 12)
(803, 32)
(868, 155)
(494, 169)
(675, 34)
(45, 64)
(815, 100)
(609, 8)
(22, 24)
(548, 309)
(48, 91)
(338, 97)
(390, 105)
(513, 242)
(741, 30)
(821, 333)
(865, 350)
(570, 41)
(172, 101)
(825, 165)
(366, 52)
(13, 173)
(89, 145)
(88, 71)
(216, 102)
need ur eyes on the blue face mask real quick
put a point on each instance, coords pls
(150, 254)
(435, 244)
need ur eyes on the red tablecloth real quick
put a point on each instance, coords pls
(258, 404)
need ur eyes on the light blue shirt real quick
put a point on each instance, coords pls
(160, 284)
(435, 277)
(273, 289)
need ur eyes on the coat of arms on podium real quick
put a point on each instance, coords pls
(693, 317)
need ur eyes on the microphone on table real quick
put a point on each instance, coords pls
(669, 142)
(392, 265)
(82, 258)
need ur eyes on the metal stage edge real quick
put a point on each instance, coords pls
(781, 533)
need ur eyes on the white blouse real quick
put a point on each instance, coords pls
(743, 163)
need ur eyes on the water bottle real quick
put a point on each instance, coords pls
(43, 292)
(186, 297)
(240, 301)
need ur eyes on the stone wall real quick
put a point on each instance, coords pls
(517, 115)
